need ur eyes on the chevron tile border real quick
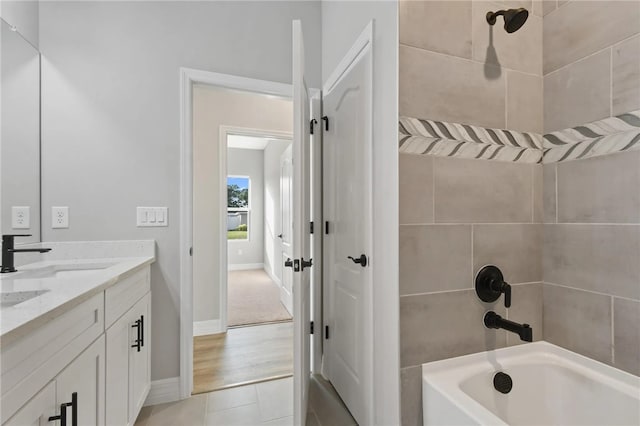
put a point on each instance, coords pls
(607, 136)
(439, 138)
(428, 137)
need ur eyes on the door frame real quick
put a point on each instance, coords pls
(189, 77)
(223, 266)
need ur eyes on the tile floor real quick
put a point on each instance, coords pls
(266, 403)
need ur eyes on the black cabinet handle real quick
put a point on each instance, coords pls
(63, 411)
(138, 341)
(362, 260)
(142, 330)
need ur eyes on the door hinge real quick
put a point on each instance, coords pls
(326, 227)
(311, 227)
(312, 123)
(326, 123)
(326, 331)
(190, 251)
(311, 328)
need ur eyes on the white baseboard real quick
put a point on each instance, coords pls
(163, 391)
(245, 266)
(273, 277)
(202, 328)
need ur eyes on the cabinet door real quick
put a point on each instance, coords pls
(139, 360)
(84, 376)
(119, 343)
(37, 411)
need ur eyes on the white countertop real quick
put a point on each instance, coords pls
(64, 292)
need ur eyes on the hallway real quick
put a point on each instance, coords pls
(254, 298)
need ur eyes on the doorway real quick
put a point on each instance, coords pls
(242, 331)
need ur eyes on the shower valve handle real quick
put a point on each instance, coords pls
(490, 285)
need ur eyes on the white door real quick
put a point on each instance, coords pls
(347, 173)
(82, 383)
(301, 237)
(286, 226)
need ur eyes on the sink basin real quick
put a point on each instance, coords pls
(15, 297)
(63, 271)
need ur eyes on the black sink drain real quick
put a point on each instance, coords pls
(502, 382)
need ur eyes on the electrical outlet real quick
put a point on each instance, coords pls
(20, 217)
(59, 217)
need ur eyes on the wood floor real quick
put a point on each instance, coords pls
(242, 355)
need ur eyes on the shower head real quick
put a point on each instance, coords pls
(513, 18)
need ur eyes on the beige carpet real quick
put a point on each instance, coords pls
(253, 298)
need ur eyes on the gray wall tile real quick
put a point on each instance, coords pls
(538, 193)
(578, 320)
(472, 191)
(524, 102)
(549, 192)
(601, 258)
(435, 258)
(521, 50)
(548, 6)
(626, 330)
(515, 249)
(444, 325)
(411, 396)
(578, 94)
(439, 26)
(526, 308)
(626, 76)
(581, 28)
(440, 87)
(602, 189)
(416, 188)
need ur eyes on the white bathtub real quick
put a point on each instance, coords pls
(551, 386)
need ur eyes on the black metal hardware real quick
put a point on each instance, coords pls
(326, 123)
(312, 123)
(280, 236)
(502, 382)
(63, 411)
(311, 227)
(311, 327)
(8, 251)
(490, 285)
(326, 331)
(138, 342)
(141, 331)
(326, 227)
(513, 18)
(305, 263)
(296, 265)
(493, 320)
(288, 263)
(190, 251)
(362, 260)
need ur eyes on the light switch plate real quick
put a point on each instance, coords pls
(59, 217)
(152, 217)
(20, 217)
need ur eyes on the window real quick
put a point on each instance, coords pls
(238, 207)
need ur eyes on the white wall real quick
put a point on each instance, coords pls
(342, 23)
(249, 162)
(110, 115)
(19, 131)
(24, 16)
(213, 108)
(272, 208)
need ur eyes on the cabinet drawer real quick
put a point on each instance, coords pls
(31, 362)
(124, 294)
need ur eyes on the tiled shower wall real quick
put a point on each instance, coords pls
(459, 214)
(591, 250)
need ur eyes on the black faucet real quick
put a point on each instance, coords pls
(493, 320)
(8, 251)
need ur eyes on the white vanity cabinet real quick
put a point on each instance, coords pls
(92, 360)
(129, 363)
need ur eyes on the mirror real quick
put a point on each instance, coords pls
(19, 135)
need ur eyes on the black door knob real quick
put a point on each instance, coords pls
(362, 260)
(288, 263)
